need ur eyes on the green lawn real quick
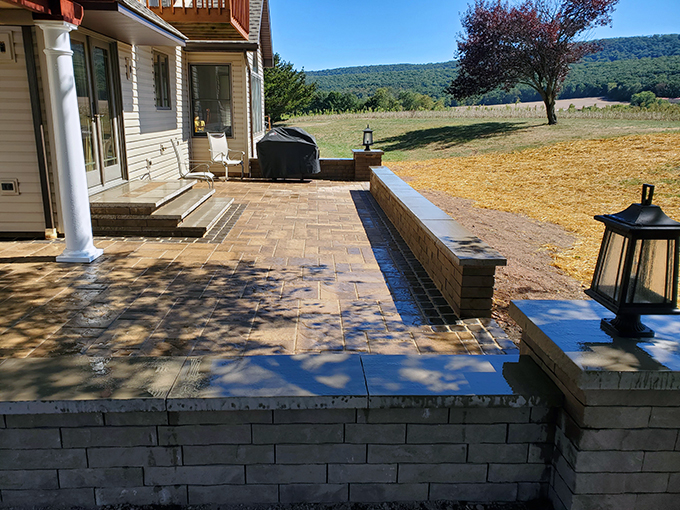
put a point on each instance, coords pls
(405, 138)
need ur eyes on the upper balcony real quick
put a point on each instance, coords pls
(226, 20)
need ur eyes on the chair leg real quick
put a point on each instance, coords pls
(242, 169)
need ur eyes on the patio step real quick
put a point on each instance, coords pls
(183, 206)
(158, 209)
(204, 217)
(138, 197)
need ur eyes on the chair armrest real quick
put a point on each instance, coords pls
(240, 152)
(194, 165)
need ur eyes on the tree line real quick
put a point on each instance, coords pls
(622, 68)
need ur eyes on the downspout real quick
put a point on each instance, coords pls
(38, 132)
(250, 104)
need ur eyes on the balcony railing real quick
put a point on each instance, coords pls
(182, 12)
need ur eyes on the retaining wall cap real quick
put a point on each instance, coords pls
(466, 248)
(313, 381)
(568, 333)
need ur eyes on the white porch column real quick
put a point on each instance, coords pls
(75, 204)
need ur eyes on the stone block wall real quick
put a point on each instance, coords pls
(274, 429)
(364, 160)
(332, 169)
(275, 456)
(617, 436)
(461, 265)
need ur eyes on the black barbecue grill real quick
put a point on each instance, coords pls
(288, 151)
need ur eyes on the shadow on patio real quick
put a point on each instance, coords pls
(307, 267)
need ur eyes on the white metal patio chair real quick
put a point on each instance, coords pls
(187, 170)
(219, 153)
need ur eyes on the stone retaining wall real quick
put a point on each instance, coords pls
(356, 168)
(332, 169)
(278, 442)
(617, 434)
(280, 456)
(461, 265)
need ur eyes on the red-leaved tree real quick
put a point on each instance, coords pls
(532, 43)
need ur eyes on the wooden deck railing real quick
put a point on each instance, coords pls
(236, 12)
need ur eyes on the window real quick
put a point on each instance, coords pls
(161, 77)
(257, 104)
(211, 99)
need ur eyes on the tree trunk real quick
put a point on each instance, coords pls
(550, 109)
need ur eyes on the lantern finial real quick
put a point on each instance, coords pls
(647, 194)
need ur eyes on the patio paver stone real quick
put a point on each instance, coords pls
(292, 268)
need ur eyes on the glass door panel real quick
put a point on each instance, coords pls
(87, 120)
(106, 120)
(97, 110)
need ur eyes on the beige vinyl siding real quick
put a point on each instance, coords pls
(24, 212)
(148, 130)
(199, 145)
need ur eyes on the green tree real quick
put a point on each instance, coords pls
(532, 43)
(643, 99)
(383, 101)
(285, 90)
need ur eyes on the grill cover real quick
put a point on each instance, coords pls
(288, 151)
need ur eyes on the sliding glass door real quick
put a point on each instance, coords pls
(98, 111)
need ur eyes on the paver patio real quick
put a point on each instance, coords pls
(294, 267)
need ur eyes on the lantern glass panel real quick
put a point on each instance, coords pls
(368, 138)
(652, 272)
(611, 268)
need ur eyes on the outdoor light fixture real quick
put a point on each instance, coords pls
(637, 268)
(368, 138)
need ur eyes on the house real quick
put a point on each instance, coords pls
(93, 92)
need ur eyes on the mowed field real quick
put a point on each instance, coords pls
(562, 174)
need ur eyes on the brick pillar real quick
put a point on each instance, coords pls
(364, 159)
(616, 433)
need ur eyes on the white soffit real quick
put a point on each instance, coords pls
(125, 25)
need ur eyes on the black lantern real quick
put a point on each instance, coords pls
(637, 269)
(368, 138)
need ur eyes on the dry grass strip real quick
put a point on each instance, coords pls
(567, 184)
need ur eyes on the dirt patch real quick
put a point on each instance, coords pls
(527, 244)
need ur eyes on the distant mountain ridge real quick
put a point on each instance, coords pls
(626, 48)
(594, 73)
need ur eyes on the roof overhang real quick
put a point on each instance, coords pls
(198, 46)
(63, 10)
(130, 24)
(266, 36)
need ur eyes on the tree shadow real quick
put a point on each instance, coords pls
(450, 136)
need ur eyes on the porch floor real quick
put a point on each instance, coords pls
(149, 194)
(292, 268)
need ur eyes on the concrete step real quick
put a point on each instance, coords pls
(204, 217)
(196, 224)
(182, 206)
(138, 197)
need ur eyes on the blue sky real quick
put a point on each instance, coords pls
(325, 34)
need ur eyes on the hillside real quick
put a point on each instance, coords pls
(623, 66)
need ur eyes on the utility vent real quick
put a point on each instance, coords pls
(6, 47)
(9, 187)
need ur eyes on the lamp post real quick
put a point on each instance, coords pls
(368, 138)
(637, 268)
